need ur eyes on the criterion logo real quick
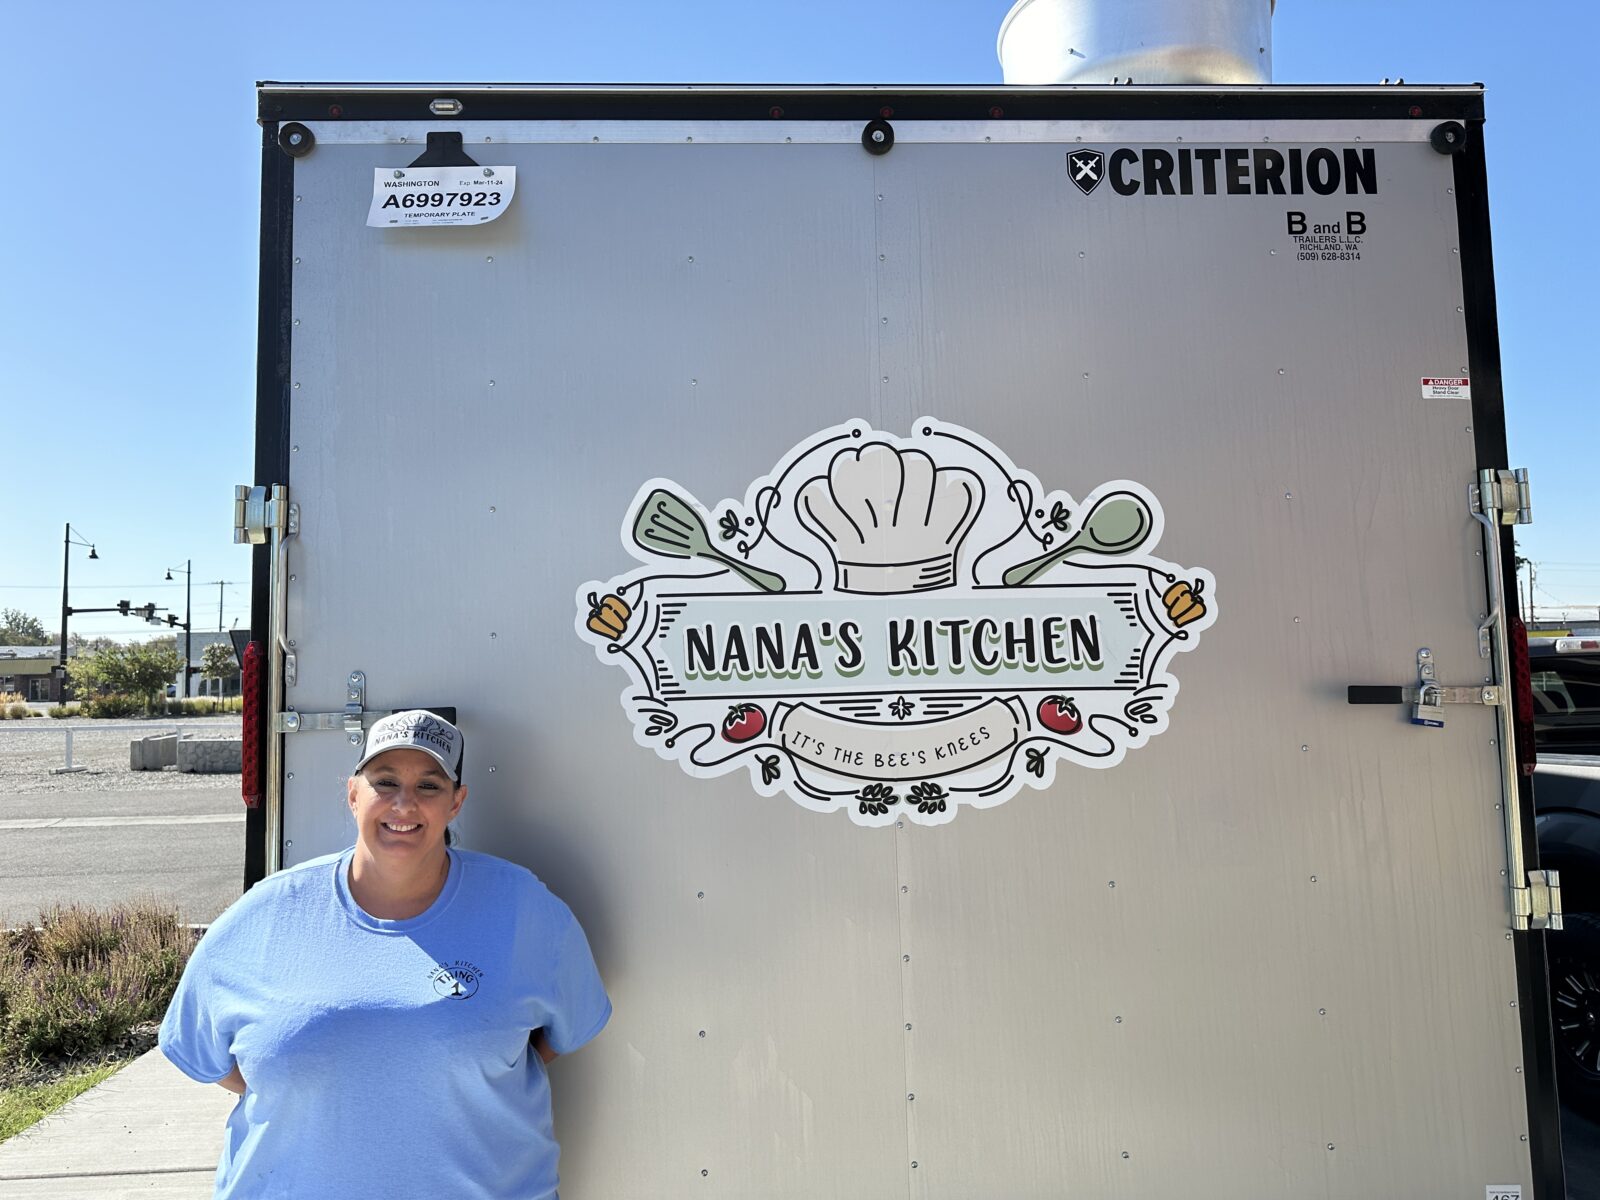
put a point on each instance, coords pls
(1086, 168)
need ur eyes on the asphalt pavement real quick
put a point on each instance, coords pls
(182, 846)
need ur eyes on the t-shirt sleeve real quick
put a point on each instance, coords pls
(191, 1033)
(581, 1007)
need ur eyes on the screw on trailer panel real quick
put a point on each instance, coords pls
(1125, 1154)
(493, 636)
(288, 845)
(699, 895)
(400, 174)
(1313, 879)
(908, 1026)
(288, 774)
(904, 889)
(1330, 1145)
(702, 1033)
(1111, 883)
(905, 958)
(1322, 1012)
(1117, 1020)
(911, 1095)
(488, 172)
(292, 578)
(704, 1172)
(493, 769)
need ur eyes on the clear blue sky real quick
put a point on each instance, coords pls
(128, 251)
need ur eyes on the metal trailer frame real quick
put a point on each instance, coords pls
(283, 105)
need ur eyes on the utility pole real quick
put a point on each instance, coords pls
(221, 583)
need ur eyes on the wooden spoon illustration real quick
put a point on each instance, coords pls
(1118, 524)
(667, 525)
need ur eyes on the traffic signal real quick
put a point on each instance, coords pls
(172, 619)
(149, 612)
(122, 607)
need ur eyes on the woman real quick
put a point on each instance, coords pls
(385, 1014)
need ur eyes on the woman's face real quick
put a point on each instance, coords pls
(402, 800)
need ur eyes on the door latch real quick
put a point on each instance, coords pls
(1427, 697)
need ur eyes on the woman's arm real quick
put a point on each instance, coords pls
(234, 1081)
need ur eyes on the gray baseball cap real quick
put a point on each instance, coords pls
(416, 729)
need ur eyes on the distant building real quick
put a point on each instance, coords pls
(31, 671)
(197, 650)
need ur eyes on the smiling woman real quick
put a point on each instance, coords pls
(299, 994)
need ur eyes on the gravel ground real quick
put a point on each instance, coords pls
(30, 749)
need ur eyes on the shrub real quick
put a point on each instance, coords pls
(233, 704)
(18, 711)
(84, 977)
(70, 709)
(199, 706)
(113, 704)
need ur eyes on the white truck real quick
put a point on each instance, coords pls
(990, 603)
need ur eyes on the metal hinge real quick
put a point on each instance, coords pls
(257, 511)
(353, 720)
(1503, 497)
(1538, 906)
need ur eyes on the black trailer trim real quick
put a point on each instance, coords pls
(785, 102)
(273, 324)
(1489, 435)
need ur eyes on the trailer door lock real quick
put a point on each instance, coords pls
(1428, 696)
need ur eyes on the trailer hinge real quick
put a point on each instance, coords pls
(257, 511)
(1503, 497)
(353, 720)
(1538, 906)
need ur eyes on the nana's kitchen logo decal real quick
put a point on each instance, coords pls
(896, 625)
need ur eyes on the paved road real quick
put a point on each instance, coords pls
(185, 846)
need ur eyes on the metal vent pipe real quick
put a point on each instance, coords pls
(1137, 41)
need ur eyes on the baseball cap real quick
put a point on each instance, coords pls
(416, 729)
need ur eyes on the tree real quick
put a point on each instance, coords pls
(77, 644)
(217, 662)
(17, 628)
(141, 669)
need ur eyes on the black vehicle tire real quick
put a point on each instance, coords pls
(1569, 842)
(1574, 954)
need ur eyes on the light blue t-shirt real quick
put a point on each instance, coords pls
(387, 1058)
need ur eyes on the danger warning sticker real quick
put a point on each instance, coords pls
(1457, 388)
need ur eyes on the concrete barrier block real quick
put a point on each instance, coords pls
(210, 756)
(153, 753)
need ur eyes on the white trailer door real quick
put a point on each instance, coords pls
(1155, 913)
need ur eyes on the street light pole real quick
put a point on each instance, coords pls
(67, 543)
(188, 618)
(188, 624)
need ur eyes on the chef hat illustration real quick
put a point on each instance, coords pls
(893, 520)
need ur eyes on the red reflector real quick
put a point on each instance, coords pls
(250, 732)
(1522, 697)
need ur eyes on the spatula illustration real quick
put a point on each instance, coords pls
(1118, 524)
(667, 525)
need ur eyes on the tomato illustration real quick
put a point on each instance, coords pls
(1059, 715)
(743, 722)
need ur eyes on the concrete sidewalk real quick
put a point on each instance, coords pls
(149, 1132)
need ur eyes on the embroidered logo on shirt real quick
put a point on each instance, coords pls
(457, 981)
